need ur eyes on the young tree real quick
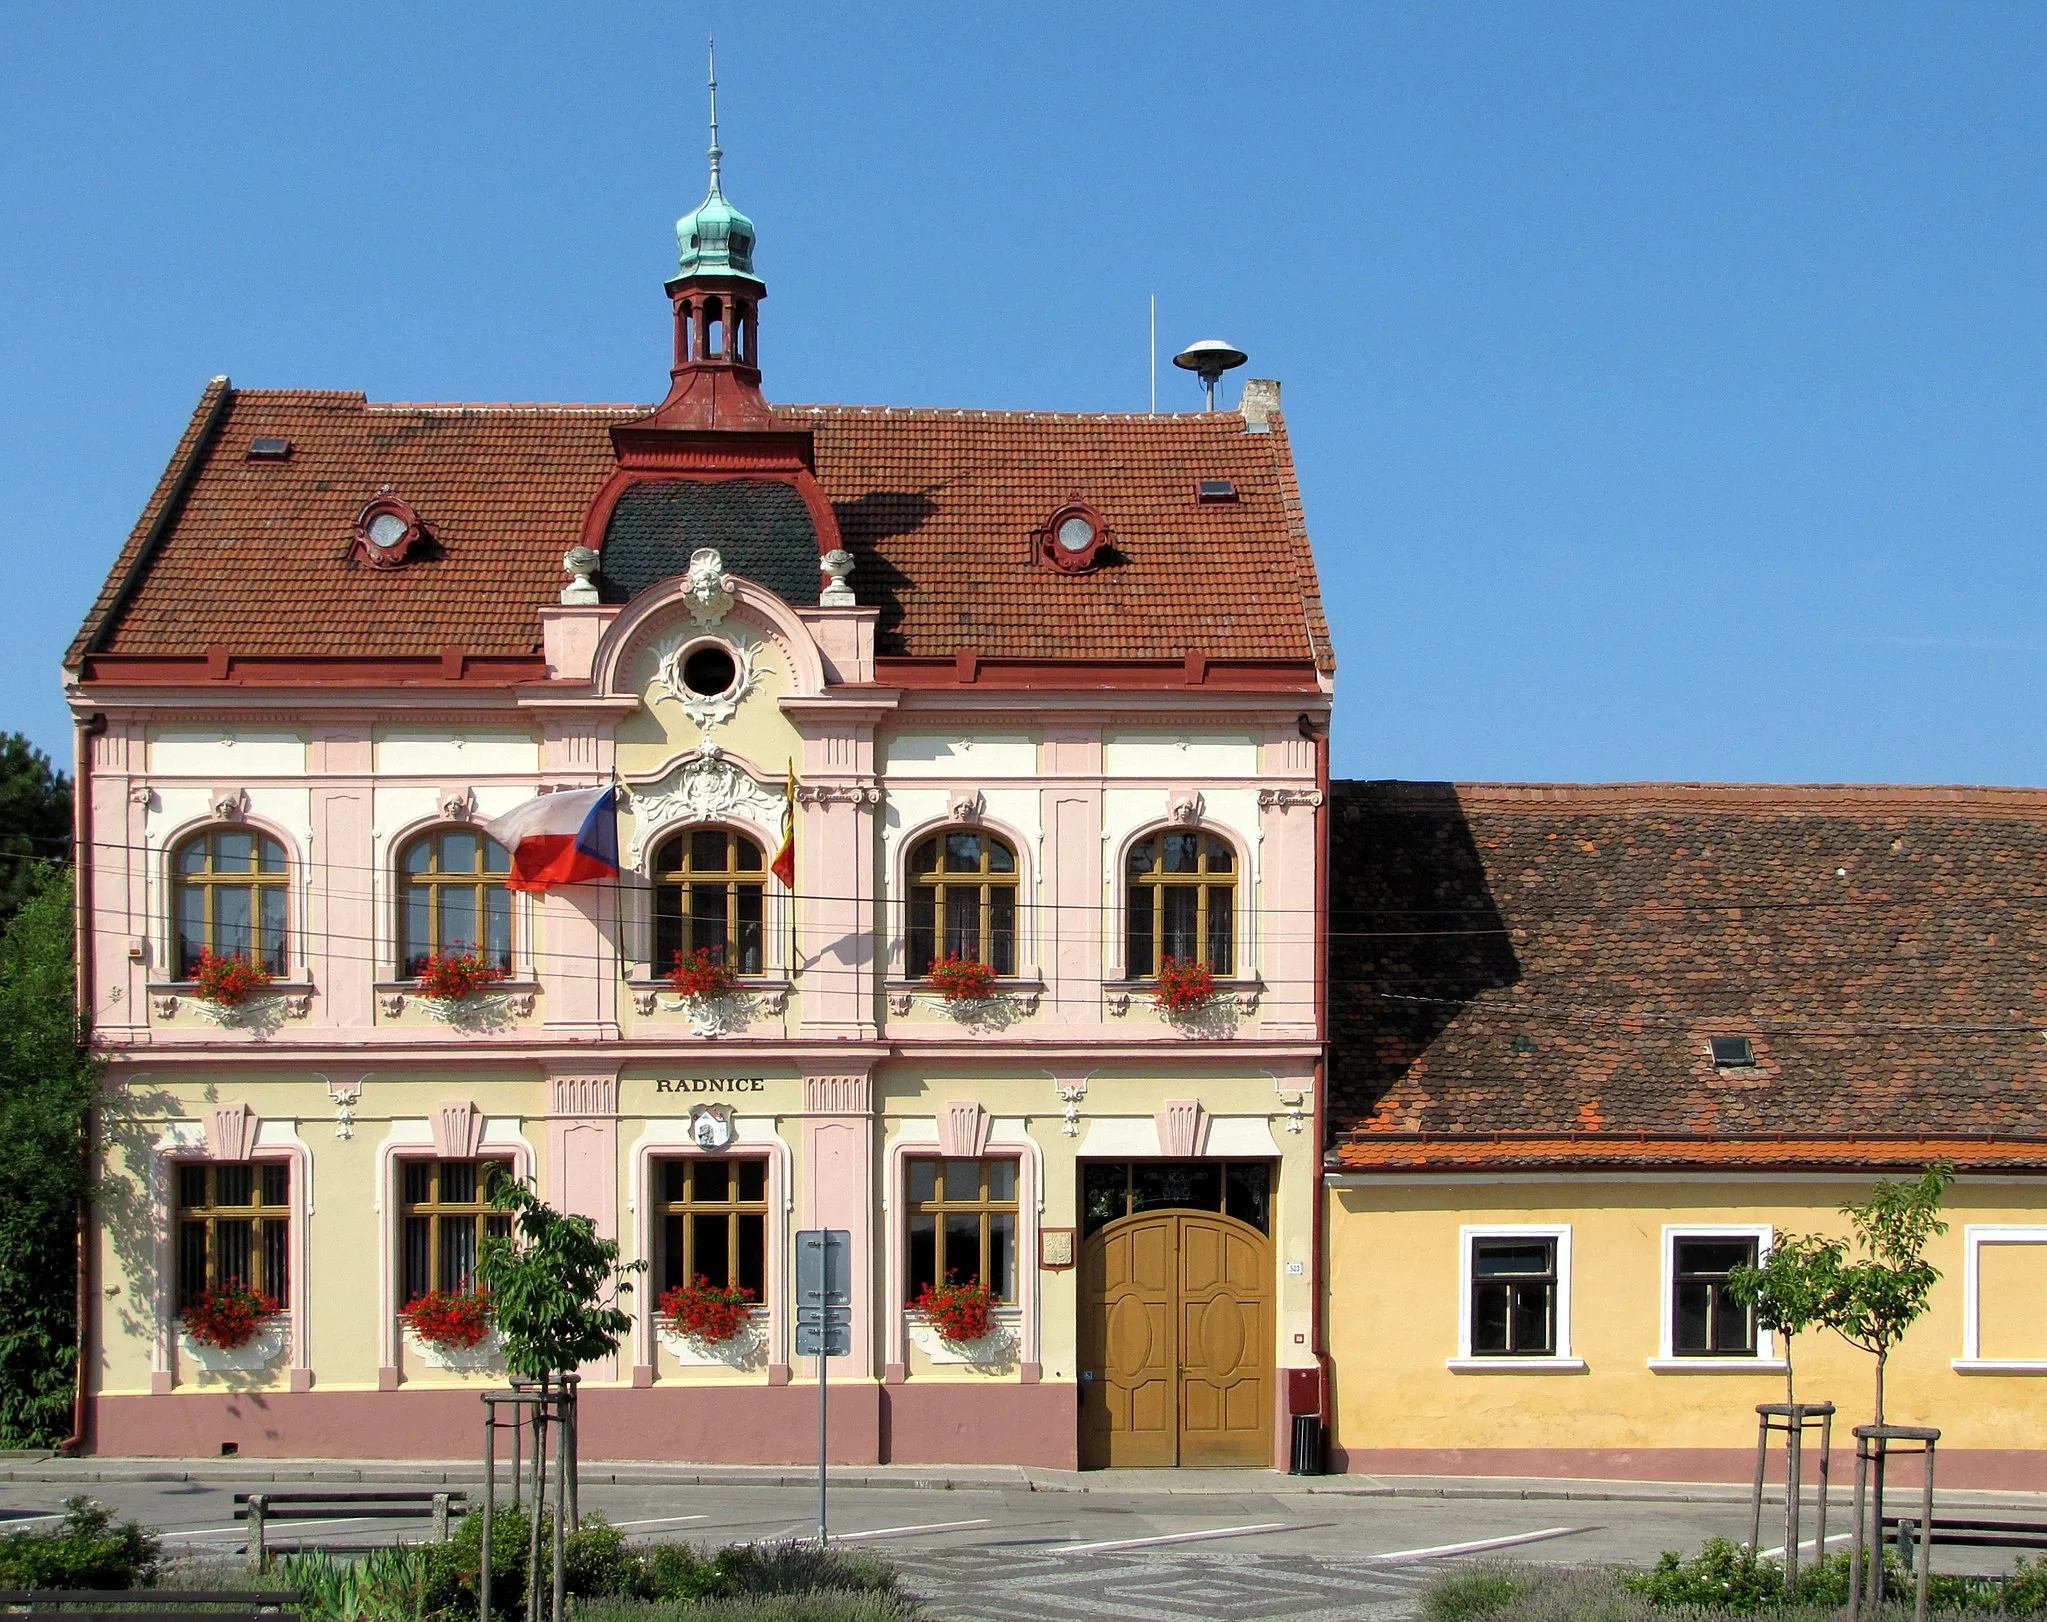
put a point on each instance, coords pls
(553, 1284)
(1789, 1292)
(47, 1081)
(1871, 1302)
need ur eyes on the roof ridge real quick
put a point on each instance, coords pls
(1959, 797)
(1000, 414)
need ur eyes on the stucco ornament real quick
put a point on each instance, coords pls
(717, 1015)
(714, 709)
(994, 1353)
(708, 788)
(707, 588)
(487, 1356)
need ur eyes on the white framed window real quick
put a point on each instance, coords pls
(1701, 1328)
(2004, 1277)
(1514, 1299)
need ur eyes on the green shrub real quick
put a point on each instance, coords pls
(88, 1551)
(1721, 1574)
(2025, 1590)
(676, 1572)
(596, 1562)
(1459, 1596)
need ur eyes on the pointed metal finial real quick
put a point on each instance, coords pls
(716, 154)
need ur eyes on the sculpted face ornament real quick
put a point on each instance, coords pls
(708, 588)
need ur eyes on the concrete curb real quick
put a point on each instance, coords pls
(925, 1478)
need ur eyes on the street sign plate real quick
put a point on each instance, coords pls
(831, 1339)
(824, 1267)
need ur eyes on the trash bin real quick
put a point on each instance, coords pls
(1307, 1453)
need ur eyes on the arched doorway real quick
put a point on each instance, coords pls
(1176, 1348)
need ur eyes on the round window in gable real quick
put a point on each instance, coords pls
(709, 671)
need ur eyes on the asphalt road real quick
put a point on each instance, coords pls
(1018, 1555)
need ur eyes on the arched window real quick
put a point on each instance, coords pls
(228, 897)
(962, 901)
(708, 893)
(452, 898)
(1183, 903)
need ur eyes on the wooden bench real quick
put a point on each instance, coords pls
(1904, 1529)
(150, 1604)
(259, 1509)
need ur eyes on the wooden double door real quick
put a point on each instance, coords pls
(1176, 1353)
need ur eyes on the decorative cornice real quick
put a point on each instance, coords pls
(582, 1095)
(838, 1095)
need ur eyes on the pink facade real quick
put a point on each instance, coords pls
(1077, 734)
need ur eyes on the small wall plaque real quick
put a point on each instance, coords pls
(1055, 1248)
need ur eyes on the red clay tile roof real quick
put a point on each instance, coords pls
(1547, 963)
(1581, 1151)
(937, 506)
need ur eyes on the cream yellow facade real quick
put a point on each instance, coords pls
(1612, 1400)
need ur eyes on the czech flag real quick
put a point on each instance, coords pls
(565, 838)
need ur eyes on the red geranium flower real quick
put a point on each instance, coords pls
(711, 1313)
(227, 1315)
(702, 973)
(962, 979)
(457, 973)
(227, 980)
(1182, 987)
(456, 1319)
(957, 1309)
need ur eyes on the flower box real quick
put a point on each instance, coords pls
(958, 1310)
(1183, 988)
(227, 982)
(233, 1329)
(995, 1350)
(961, 979)
(452, 976)
(745, 1348)
(486, 1356)
(702, 973)
(458, 1320)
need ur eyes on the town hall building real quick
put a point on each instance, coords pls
(1044, 693)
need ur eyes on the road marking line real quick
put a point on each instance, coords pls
(1179, 1537)
(665, 1520)
(1778, 1552)
(1480, 1547)
(905, 1531)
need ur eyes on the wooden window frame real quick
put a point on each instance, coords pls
(689, 1207)
(437, 1212)
(1716, 1285)
(1767, 1356)
(211, 881)
(939, 1207)
(481, 879)
(260, 1211)
(984, 881)
(679, 881)
(1148, 890)
(1561, 1360)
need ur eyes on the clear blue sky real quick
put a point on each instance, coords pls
(1669, 384)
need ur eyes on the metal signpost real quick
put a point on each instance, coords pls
(824, 1321)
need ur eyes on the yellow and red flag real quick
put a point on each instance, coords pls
(784, 864)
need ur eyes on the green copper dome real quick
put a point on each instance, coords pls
(714, 239)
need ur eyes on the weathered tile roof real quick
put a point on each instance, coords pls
(1529, 975)
(937, 506)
